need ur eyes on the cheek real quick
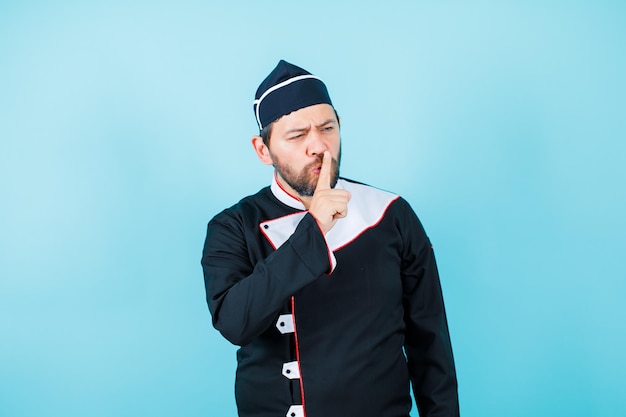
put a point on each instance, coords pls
(286, 160)
(336, 149)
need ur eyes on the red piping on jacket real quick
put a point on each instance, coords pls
(373, 225)
(295, 335)
(286, 192)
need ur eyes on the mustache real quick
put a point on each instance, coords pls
(319, 160)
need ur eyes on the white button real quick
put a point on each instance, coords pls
(285, 323)
(291, 370)
(295, 411)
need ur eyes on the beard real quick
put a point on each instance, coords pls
(305, 181)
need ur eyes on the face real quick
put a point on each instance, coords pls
(296, 148)
(304, 182)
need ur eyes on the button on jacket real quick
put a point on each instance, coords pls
(333, 325)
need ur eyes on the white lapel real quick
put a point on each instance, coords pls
(366, 209)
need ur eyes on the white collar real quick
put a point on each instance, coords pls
(284, 196)
(288, 199)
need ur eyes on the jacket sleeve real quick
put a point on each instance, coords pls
(427, 341)
(244, 299)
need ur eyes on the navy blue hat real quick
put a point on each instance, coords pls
(288, 88)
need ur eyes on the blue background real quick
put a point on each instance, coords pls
(124, 127)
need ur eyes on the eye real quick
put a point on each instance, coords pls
(328, 128)
(298, 136)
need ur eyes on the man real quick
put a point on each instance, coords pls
(328, 285)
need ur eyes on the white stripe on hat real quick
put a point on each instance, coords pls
(274, 88)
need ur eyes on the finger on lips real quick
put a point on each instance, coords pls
(323, 181)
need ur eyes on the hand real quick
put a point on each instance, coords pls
(328, 205)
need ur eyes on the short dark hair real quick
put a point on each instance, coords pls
(266, 132)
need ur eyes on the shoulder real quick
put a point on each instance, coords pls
(244, 208)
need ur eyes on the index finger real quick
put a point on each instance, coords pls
(323, 182)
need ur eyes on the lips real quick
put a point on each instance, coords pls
(316, 168)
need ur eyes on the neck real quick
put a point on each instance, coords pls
(306, 201)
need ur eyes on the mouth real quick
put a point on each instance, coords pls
(316, 168)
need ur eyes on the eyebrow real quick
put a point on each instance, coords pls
(296, 130)
(304, 129)
(329, 121)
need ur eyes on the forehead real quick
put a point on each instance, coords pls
(313, 115)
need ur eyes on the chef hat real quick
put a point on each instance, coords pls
(286, 89)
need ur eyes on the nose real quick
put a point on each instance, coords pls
(316, 144)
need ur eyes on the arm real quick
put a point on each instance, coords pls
(244, 299)
(427, 342)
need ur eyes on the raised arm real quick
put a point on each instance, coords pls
(244, 299)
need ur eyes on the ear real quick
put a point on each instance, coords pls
(262, 151)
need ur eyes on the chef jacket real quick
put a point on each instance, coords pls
(335, 325)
